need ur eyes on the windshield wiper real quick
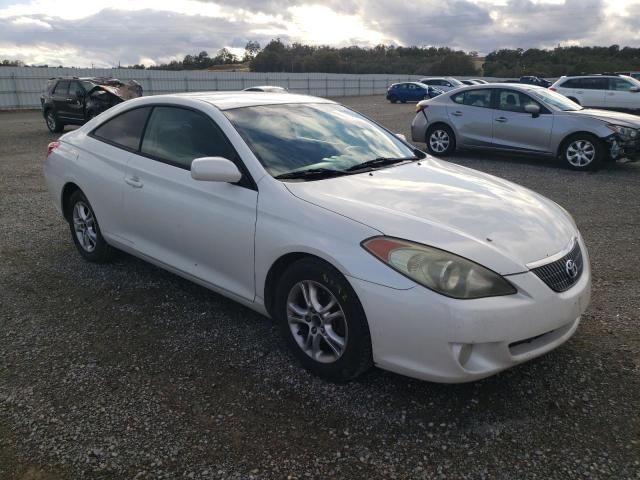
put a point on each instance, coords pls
(379, 162)
(311, 173)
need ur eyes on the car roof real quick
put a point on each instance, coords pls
(239, 99)
(514, 86)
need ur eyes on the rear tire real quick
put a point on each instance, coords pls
(441, 141)
(322, 321)
(85, 229)
(53, 123)
(582, 152)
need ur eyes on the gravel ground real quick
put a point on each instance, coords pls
(126, 371)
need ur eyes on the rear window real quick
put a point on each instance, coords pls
(124, 130)
(474, 98)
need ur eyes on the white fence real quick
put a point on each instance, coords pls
(20, 87)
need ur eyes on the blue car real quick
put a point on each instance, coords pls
(411, 92)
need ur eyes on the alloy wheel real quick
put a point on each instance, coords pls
(439, 141)
(84, 226)
(580, 153)
(317, 321)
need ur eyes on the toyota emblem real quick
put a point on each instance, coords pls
(571, 268)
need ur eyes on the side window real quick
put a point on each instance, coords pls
(62, 88)
(75, 89)
(474, 98)
(594, 83)
(619, 84)
(178, 136)
(512, 101)
(446, 84)
(124, 130)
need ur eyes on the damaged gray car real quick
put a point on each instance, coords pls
(525, 119)
(75, 101)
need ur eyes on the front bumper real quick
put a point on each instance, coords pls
(422, 334)
(622, 147)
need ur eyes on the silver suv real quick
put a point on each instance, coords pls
(525, 119)
(615, 92)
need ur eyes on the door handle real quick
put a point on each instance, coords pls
(457, 114)
(133, 181)
(501, 119)
(69, 99)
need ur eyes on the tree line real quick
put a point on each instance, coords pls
(277, 56)
(561, 61)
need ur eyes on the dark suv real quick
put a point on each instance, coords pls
(73, 100)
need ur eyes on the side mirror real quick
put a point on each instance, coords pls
(401, 137)
(533, 109)
(634, 89)
(215, 169)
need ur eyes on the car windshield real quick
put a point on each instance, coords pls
(555, 100)
(315, 137)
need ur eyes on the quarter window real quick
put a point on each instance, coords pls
(124, 130)
(178, 136)
(474, 98)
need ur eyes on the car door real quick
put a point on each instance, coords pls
(516, 129)
(621, 96)
(61, 100)
(75, 101)
(590, 91)
(110, 146)
(415, 93)
(471, 116)
(205, 229)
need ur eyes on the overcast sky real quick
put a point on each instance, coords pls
(103, 33)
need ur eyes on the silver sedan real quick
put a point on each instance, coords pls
(525, 119)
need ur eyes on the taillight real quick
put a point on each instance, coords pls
(51, 147)
(553, 89)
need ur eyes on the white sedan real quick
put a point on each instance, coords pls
(363, 250)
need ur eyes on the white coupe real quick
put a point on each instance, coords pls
(363, 250)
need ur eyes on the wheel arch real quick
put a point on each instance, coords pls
(563, 142)
(69, 189)
(279, 267)
(435, 124)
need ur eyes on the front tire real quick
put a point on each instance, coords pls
(85, 230)
(322, 321)
(393, 99)
(582, 151)
(441, 141)
(53, 123)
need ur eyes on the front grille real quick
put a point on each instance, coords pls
(558, 274)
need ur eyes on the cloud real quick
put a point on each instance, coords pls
(104, 32)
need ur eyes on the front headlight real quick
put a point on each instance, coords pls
(439, 270)
(626, 132)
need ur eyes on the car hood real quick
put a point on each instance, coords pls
(619, 118)
(491, 221)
